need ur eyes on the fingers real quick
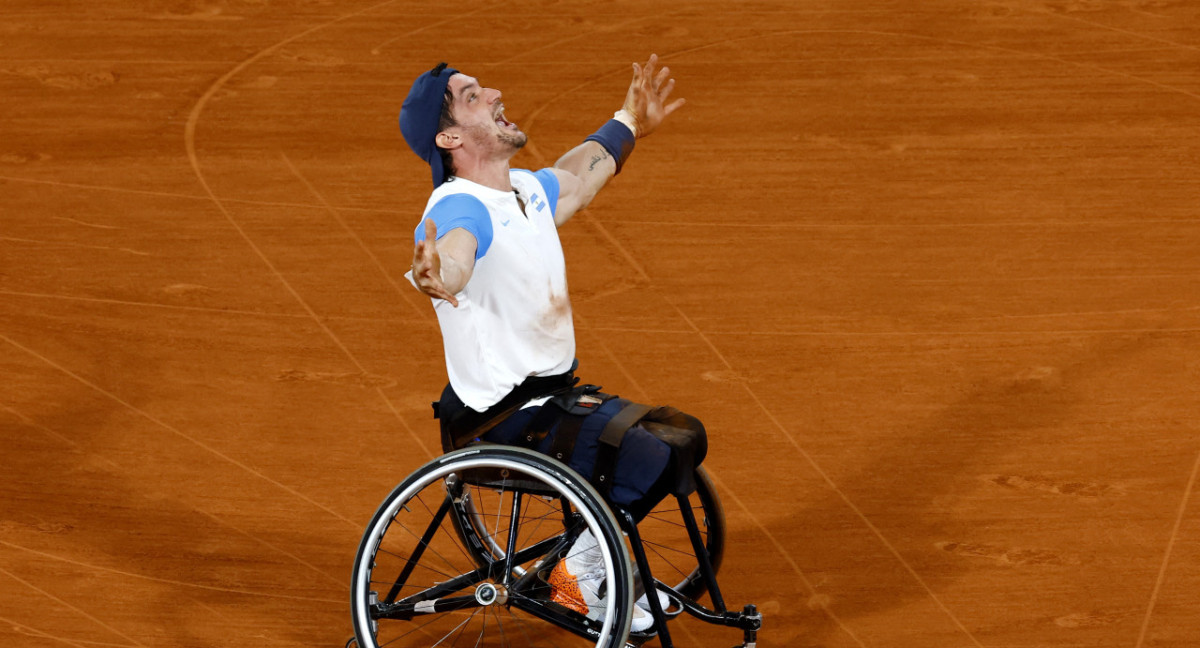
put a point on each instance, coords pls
(427, 248)
(440, 293)
(650, 65)
(659, 81)
(661, 76)
(427, 266)
(646, 99)
(673, 106)
(665, 91)
(428, 279)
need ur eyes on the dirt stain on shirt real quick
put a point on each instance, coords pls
(558, 313)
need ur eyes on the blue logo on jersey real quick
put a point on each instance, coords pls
(537, 201)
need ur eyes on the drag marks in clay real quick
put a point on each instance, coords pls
(48, 528)
(1043, 484)
(1006, 555)
(1094, 619)
(65, 80)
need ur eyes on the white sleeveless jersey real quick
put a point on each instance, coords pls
(513, 318)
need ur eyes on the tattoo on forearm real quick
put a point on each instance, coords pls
(596, 159)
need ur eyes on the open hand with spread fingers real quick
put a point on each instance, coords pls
(648, 92)
(427, 266)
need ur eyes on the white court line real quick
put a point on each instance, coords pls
(204, 309)
(424, 313)
(168, 581)
(178, 432)
(105, 248)
(193, 157)
(29, 630)
(68, 605)
(726, 489)
(184, 196)
(117, 468)
(1162, 571)
(829, 481)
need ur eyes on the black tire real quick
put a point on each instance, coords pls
(421, 577)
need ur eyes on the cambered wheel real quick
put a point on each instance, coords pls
(458, 553)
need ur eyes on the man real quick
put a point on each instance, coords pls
(488, 255)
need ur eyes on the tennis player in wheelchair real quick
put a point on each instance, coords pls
(536, 513)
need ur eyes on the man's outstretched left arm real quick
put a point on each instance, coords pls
(583, 170)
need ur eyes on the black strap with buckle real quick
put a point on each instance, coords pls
(610, 444)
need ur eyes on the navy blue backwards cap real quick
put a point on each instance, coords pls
(419, 116)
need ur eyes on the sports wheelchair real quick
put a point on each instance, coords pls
(459, 553)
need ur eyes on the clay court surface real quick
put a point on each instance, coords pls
(928, 271)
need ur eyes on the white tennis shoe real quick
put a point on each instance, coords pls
(575, 584)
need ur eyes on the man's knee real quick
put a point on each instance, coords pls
(686, 437)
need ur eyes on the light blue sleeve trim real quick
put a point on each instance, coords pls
(460, 210)
(550, 185)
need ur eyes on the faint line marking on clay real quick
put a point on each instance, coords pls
(902, 334)
(184, 196)
(177, 307)
(902, 35)
(405, 295)
(58, 528)
(189, 137)
(34, 424)
(205, 309)
(179, 432)
(829, 481)
(1162, 571)
(73, 245)
(908, 226)
(808, 458)
(68, 605)
(85, 224)
(30, 631)
(607, 28)
(816, 601)
(1118, 30)
(976, 46)
(272, 547)
(214, 588)
(359, 379)
(379, 48)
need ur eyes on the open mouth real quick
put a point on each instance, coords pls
(504, 123)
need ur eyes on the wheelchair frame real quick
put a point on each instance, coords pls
(504, 573)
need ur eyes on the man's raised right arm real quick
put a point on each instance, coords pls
(585, 169)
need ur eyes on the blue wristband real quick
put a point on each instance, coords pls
(616, 138)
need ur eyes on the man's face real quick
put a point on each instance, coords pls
(480, 114)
